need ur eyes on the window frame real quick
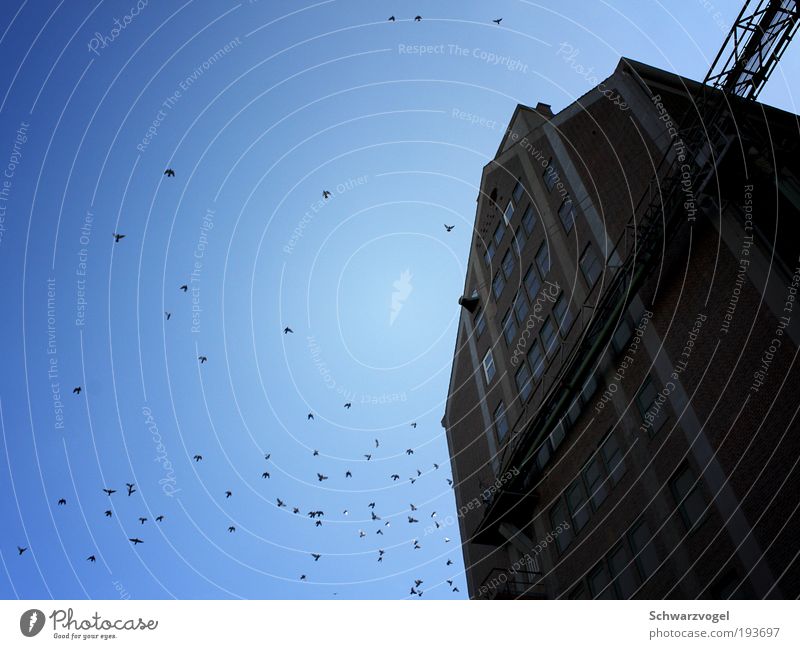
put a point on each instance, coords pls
(570, 211)
(596, 261)
(543, 253)
(490, 356)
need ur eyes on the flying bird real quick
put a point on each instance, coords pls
(379, 532)
(394, 477)
(449, 562)
(315, 453)
(361, 534)
(419, 473)
(321, 477)
(418, 582)
(316, 556)
(391, 19)
(302, 577)
(374, 516)
(202, 359)
(231, 529)
(77, 390)
(159, 518)
(265, 474)
(131, 488)
(267, 456)
(455, 590)
(197, 458)
(295, 510)
(371, 505)
(413, 424)
(348, 405)
(142, 520)
(449, 482)
(409, 451)
(288, 330)
(136, 541)
(497, 21)
(318, 524)
(169, 173)
(168, 314)
(184, 287)
(91, 558)
(377, 443)
(108, 513)
(326, 194)
(117, 237)
(62, 501)
(21, 550)
(450, 582)
(281, 503)
(435, 466)
(348, 474)
(412, 520)
(110, 491)
(310, 416)
(228, 494)
(368, 456)
(417, 18)
(413, 507)
(449, 228)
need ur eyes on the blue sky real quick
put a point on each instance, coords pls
(258, 107)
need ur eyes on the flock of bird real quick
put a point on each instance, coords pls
(316, 515)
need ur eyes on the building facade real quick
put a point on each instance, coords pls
(658, 457)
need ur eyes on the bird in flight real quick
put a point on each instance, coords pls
(368, 456)
(267, 456)
(318, 523)
(413, 480)
(310, 416)
(231, 529)
(417, 18)
(395, 477)
(228, 494)
(374, 516)
(450, 582)
(348, 405)
(321, 477)
(288, 330)
(371, 505)
(62, 501)
(435, 466)
(142, 520)
(117, 237)
(447, 539)
(159, 518)
(433, 515)
(455, 589)
(326, 193)
(108, 513)
(184, 287)
(21, 550)
(391, 19)
(265, 475)
(110, 491)
(197, 458)
(418, 582)
(202, 359)
(419, 473)
(316, 556)
(361, 534)
(168, 314)
(377, 443)
(379, 532)
(315, 453)
(449, 482)
(412, 520)
(131, 488)
(409, 451)
(497, 21)
(281, 503)
(413, 424)
(302, 577)
(413, 507)
(77, 390)
(348, 474)
(136, 541)
(295, 510)
(417, 546)
(449, 228)
(91, 558)
(449, 562)
(169, 173)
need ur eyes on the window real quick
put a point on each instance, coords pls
(686, 491)
(480, 323)
(508, 264)
(558, 516)
(500, 422)
(595, 485)
(562, 315)
(518, 191)
(499, 232)
(519, 240)
(509, 327)
(488, 366)
(532, 283)
(489, 254)
(549, 338)
(643, 549)
(550, 176)
(622, 335)
(509, 213)
(599, 580)
(543, 259)
(612, 456)
(590, 265)
(536, 360)
(521, 307)
(498, 284)
(646, 401)
(623, 572)
(524, 383)
(528, 219)
(578, 505)
(567, 215)
(557, 436)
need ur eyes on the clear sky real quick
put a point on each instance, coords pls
(259, 107)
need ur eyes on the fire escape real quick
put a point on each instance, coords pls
(748, 56)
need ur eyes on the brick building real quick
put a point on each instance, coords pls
(660, 461)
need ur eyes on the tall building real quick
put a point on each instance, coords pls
(632, 436)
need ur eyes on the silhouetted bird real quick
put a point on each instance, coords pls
(108, 513)
(413, 424)
(368, 456)
(413, 507)
(348, 405)
(315, 453)
(379, 532)
(62, 501)
(267, 456)
(131, 488)
(413, 480)
(302, 577)
(455, 590)
(110, 491)
(76, 390)
(447, 539)
(417, 546)
(497, 21)
(197, 458)
(394, 477)
(417, 18)
(202, 359)
(419, 473)
(318, 523)
(377, 443)
(418, 582)
(91, 558)
(117, 237)
(449, 228)
(288, 330)
(449, 482)
(435, 466)
(295, 510)
(316, 556)
(231, 529)
(371, 505)
(228, 494)
(326, 193)
(184, 287)
(21, 550)
(391, 19)
(142, 520)
(281, 503)
(159, 518)
(409, 451)
(361, 534)
(450, 582)
(433, 515)
(169, 173)
(168, 314)
(321, 477)
(449, 562)
(348, 474)
(136, 541)
(310, 416)
(412, 520)
(265, 474)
